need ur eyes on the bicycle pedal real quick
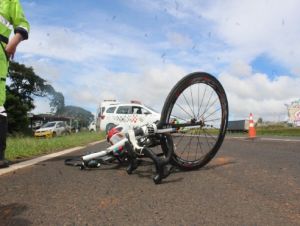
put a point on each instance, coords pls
(82, 167)
(93, 164)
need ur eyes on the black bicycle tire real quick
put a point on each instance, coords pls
(180, 86)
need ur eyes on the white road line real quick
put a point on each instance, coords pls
(31, 162)
(280, 139)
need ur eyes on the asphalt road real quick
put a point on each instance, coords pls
(248, 183)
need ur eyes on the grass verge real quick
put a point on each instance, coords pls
(27, 147)
(277, 131)
(273, 131)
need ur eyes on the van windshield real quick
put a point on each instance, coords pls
(152, 109)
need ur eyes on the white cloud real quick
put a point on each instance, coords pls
(247, 28)
(223, 36)
(42, 105)
(179, 40)
(62, 43)
(151, 86)
(240, 68)
(44, 68)
(255, 27)
(259, 94)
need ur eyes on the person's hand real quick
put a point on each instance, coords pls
(10, 50)
(11, 47)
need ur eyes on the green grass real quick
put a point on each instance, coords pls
(260, 131)
(27, 147)
(278, 131)
(274, 131)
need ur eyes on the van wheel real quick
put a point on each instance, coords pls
(109, 127)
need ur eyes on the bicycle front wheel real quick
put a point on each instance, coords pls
(197, 109)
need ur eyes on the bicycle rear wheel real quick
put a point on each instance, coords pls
(197, 107)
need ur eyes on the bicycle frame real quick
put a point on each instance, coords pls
(190, 132)
(134, 150)
(130, 142)
(171, 128)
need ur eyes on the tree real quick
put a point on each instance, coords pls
(24, 86)
(83, 116)
(259, 120)
(17, 113)
(57, 103)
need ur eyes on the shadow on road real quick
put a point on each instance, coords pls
(217, 165)
(146, 167)
(9, 214)
(149, 172)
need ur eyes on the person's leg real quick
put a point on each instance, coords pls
(3, 132)
(3, 116)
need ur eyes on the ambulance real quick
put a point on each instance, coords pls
(132, 114)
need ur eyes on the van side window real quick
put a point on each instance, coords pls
(111, 110)
(124, 110)
(136, 110)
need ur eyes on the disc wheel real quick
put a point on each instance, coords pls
(197, 110)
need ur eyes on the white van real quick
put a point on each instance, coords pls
(92, 126)
(105, 104)
(133, 114)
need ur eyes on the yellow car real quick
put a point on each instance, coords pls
(52, 129)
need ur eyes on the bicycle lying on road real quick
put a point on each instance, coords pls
(190, 132)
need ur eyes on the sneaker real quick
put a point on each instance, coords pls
(4, 164)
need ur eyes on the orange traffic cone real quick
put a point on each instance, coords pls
(252, 131)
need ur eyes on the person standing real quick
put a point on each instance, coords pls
(11, 16)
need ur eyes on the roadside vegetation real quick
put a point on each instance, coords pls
(23, 147)
(24, 86)
(274, 130)
(20, 148)
(278, 131)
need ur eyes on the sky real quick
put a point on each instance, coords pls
(138, 49)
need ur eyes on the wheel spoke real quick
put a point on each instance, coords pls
(201, 101)
(192, 101)
(184, 110)
(189, 106)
